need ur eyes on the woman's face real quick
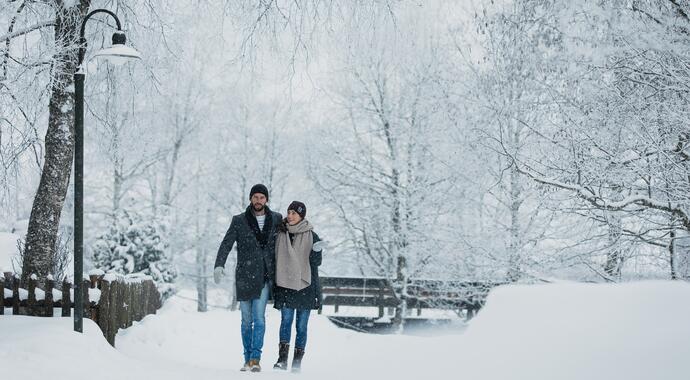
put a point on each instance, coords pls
(293, 217)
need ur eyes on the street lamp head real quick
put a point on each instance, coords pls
(119, 53)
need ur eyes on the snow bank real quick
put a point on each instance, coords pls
(48, 348)
(538, 332)
(42, 348)
(581, 331)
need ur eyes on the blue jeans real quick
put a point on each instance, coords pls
(254, 324)
(287, 315)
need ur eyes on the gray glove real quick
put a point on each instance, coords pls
(218, 274)
(319, 245)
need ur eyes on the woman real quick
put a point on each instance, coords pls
(297, 290)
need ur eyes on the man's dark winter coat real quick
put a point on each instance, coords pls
(255, 252)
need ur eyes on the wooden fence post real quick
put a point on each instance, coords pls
(88, 307)
(50, 284)
(115, 304)
(15, 295)
(31, 302)
(141, 312)
(66, 299)
(154, 298)
(132, 307)
(126, 304)
(381, 298)
(104, 311)
(8, 284)
(121, 304)
(134, 311)
(95, 280)
(145, 302)
(337, 296)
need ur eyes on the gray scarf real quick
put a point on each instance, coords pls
(292, 260)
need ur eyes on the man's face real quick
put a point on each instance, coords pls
(258, 201)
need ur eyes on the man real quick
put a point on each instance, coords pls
(255, 234)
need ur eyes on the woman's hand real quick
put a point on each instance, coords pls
(319, 246)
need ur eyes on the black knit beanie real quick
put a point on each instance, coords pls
(259, 188)
(299, 208)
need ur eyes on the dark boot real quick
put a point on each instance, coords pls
(283, 350)
(297, 359)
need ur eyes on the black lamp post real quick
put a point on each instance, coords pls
(118, 52)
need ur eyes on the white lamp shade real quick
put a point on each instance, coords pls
(118, 54)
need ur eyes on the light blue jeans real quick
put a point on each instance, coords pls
(287, 315)
(254, 324)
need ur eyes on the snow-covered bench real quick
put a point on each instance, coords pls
(463, 296)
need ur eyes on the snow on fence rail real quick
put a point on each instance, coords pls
(467, 296)
(112, 301)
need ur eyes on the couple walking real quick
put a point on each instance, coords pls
(278, 257)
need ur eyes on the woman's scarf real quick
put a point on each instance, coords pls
(292, 259)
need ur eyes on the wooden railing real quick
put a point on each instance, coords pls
(462, 296)
(112, 301)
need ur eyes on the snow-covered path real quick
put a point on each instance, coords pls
(180, 343)
(563, 331)
(210, 343)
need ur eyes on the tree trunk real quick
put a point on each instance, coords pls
(170, 173)
(202, 262)
(614, 257)
(117, 190)
(514, 247)
(118, 170)
(671, 255)
(681, 253)
(201, 280)
(59, 144)
(401, 286)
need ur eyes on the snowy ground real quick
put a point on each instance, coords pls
(564, 331)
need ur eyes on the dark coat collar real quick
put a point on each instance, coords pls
(261, 235)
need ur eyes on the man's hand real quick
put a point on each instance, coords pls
(218, 274)
(319, 245)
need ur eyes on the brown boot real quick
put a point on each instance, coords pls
(283, 351)
(245, 367)
(254, 365)
(297, 359)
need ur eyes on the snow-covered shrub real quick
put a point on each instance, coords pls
(134, 244)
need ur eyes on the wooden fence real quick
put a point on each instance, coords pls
(462, 296)
(112, 301)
